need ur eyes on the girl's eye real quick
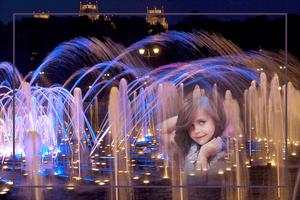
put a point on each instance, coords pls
(201, 122)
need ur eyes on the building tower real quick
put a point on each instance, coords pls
(41, 15)
(90, 9)
(157, 16)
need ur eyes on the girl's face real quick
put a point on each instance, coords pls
(202, 128)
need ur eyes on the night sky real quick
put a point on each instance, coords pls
(8, 7)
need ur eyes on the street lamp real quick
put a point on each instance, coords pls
(149, 52)
(141, 51)
(155, 50)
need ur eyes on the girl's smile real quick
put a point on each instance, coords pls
(199, 137)
(202, 128)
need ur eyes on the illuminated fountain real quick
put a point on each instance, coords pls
(119, 118)
(31, 150)
(44, 131)
(112, 132)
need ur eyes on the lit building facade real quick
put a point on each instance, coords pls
(41, 15)
(90, 9)
(157, 16)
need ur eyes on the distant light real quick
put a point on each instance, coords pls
(142, 51)
(10, 183)
(41, 15)
(70, 188)
(273, 163)
(279, 88)
(155, 50)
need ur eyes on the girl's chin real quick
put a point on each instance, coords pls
(202, 141)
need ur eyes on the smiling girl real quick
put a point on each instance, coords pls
(198, 134)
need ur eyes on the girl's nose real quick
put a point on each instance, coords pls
(197, 129)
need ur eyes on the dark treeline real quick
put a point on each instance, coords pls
(35, 38)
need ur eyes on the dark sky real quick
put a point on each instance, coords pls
(8, 7)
